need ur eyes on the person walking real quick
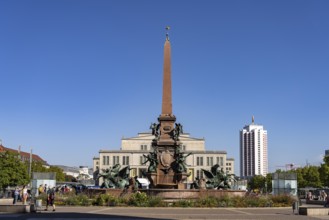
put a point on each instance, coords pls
(326, 203)
(51, 199)
(16, 194)
(24, 194)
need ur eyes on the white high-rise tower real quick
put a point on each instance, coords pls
(253, 150)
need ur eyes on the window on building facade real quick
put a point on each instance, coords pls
(125, 160)
(221, 161)
(210, 161)
(198, 174)
(142, 160)
(199, 161)
(143, 147)
(106, 160)
(116, 160)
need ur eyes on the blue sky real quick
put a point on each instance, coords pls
(78, 75)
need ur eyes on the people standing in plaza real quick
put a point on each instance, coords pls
(16, 195)
(326, 203)
(24, 194)
(41, 189)
(51, 199)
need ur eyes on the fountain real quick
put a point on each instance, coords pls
(167, 172)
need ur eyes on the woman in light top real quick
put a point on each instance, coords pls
(24, 194)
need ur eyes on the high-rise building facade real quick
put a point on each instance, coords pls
(253, 151)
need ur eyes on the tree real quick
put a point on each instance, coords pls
(301, 182)
(324, 174)
(13, 171)
(70, 178)
(268, 182)
(311, 176)
(60, 175)
(38, 166)
(326, 160)
(257, 183)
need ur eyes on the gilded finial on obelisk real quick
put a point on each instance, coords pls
(167, 34)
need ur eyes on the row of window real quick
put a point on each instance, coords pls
(115, 160)
(142, 160)
(144, 147)
(210, 161)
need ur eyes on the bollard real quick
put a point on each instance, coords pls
(295, 206)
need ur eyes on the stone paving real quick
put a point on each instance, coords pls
(98, 213)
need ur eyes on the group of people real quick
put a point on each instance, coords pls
(321, 197)
(20, 194)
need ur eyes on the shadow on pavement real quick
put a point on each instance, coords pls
(67, 216)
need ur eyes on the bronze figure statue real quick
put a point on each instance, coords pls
(218, 179)
(114, 177)
(180, 162)
(177, 131)
(152, 158)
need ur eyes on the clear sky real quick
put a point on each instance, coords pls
(76, 76)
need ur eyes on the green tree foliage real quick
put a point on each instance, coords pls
(38, 166)
(324, 174)
(312, 176)
(12, 171)
(257, 183)
(70, 178)
(307, 176)
(301, 182)
(269, 182)
(60, 176)
(326, 160)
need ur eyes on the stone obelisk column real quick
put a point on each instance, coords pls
(166, 144)
(166, 89)
(166, 119)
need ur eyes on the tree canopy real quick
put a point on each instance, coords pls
(13, 171)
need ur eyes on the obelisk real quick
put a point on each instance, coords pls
(166, 170)
(166, 90)
(166, 119)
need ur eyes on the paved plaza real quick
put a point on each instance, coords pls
(96, 213)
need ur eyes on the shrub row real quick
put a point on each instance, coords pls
(142, 200)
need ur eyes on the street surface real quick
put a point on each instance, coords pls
(99, 213)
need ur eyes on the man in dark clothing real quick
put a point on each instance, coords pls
(51, 198)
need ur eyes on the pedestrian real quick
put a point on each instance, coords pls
(41, 189)
(24, 194)
(51, 199)
(326, 204)
(16, 194)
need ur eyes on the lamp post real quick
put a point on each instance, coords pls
(30, 165)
